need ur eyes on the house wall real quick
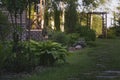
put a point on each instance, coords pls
(34, 34)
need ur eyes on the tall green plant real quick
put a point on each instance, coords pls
(5, 50)
(4, 27)
(20, 61)
(56, 14)
(117, 27)
(71, 16)
(86, 33)
(59, 37)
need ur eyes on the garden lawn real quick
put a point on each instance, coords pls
(85, 64)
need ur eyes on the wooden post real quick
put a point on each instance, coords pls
(90, 21)
(106, 25)
(87, 19)
(104, 21)
(103, 26)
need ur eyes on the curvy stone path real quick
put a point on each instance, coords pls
(109, 74)
(104, 75)
(13, 76)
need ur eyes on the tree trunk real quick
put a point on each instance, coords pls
(21, 25)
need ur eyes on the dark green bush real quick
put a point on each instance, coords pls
(18, 63)
(19, 60)
(86, 33)
(117, 30)
(59, 37)
(5, 50)
(4, 27)
(72, 38)
(117, 27)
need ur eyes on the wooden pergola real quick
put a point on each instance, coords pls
(104, 21)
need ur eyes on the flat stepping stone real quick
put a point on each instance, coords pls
(116, 72)
(73, 79)
(107, 77)
(109, 74)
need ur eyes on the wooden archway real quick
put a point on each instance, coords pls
(104, 21)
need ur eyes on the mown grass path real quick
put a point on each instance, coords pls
(85, 64)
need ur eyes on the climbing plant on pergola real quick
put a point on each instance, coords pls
(104, 21)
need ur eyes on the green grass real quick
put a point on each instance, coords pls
(105, 52)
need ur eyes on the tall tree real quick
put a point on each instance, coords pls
(71, 16)
(56, 13)
(4, 27)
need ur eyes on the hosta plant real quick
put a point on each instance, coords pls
(49, 52)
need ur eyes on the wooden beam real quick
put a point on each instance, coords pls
(99, 13)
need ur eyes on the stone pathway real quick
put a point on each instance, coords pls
(13, 76)
(73, 79)
(110, 74)
(104, 75)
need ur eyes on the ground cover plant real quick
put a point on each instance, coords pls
(49, 52)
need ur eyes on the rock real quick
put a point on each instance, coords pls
(80, 42)
(78, 47)
(110, 71)
(106, 77)
(73, 79)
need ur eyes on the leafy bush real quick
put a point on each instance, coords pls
(117, 27)
(5, 50)
(87, 33)
(19, 60)
(49, 52)
(4, 26)
(18, 63)
(59, 37)
(72, 38)
(117, 30)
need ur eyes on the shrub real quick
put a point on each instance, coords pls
(18, 63)
(5, 50)
(59, 37)
(117, 30)
(117, 27)
(87, 33)
(4, 27)
(72, 38)
(20, 60)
